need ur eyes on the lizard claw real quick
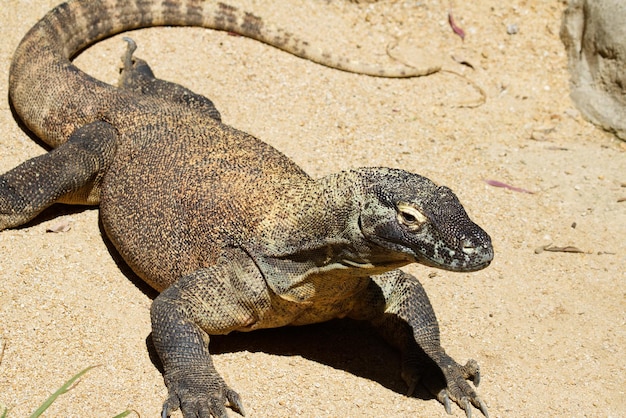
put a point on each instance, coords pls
(445, 400)
(465, 404)
(171, 404)
(483, 408)
(411, 388)
(234, 401)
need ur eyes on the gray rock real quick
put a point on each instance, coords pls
(594, 35)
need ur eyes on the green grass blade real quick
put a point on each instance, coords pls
(125, 414)
(63, 389)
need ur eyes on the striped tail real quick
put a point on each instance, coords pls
(42, 76)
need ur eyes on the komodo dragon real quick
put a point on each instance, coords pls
(234, 235)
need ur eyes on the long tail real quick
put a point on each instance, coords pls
(41, 73)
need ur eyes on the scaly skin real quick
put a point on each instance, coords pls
(233, 234)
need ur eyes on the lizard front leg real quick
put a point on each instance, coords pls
(398, 307)
(71, 173)
(215, 300)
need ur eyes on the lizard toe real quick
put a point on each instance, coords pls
(197, 399)
(454, 386)
(411, 377)
(443, 397)
(465, 405)
(471, 371)
(171, 404)
(195, 406)
(234, 401)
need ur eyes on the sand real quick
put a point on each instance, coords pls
(548, 328)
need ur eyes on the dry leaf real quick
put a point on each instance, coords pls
(455, 28)
(496, 183)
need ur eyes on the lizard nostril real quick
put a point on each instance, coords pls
(468, 247)
(469, 250)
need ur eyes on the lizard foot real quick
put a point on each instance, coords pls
(137, 76)
(455, 388)
(459, 390)
(195, 398)
(133, 67)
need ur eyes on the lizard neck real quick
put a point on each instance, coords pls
(320, 221)
(313, 247)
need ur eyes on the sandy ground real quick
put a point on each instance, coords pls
(548, 328)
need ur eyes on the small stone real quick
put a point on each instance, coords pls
(512, 29)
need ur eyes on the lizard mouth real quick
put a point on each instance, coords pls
(468, 259)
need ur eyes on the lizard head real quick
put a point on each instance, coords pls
(409, 215)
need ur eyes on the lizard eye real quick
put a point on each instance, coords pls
(410, 216)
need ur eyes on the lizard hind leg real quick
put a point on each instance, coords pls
(71, 173)
(137, 76)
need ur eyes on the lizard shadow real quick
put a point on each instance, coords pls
(126, 270)
(343, 344)
(55, 211)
